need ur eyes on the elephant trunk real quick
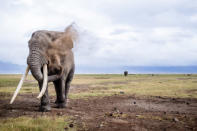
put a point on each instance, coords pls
(38, 69)
(36, 61)
(37, 73)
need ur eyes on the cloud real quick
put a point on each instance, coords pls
(112, 33)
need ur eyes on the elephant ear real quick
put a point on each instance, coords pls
(67, 39)
(70, 36)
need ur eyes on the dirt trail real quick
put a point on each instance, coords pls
(117, 113)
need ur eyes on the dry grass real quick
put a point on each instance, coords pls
(177, 86)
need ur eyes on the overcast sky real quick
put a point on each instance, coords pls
(112, 32)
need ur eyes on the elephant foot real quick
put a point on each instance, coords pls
(61, 105)
(46, 108)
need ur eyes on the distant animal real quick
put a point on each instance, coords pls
(125, 73)
(51, 60)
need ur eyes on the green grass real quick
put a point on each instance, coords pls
(44, 123)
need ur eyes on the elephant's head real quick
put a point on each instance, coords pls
(41, 47)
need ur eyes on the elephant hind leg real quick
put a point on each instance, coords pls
(67, 83)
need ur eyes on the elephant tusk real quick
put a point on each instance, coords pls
(19, 85)
(44, 85)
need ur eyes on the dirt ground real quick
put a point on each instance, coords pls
(114, 113)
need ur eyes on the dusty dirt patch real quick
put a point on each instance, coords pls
(119, 112)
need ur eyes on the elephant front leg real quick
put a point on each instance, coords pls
(44, 103)
(60, 89)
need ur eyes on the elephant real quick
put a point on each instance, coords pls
(51, 60)
(125, 73)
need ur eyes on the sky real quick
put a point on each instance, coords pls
(112, 32)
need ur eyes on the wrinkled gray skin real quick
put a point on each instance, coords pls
(38, 46)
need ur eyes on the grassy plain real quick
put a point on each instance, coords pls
(85, 86)
(176, 86)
